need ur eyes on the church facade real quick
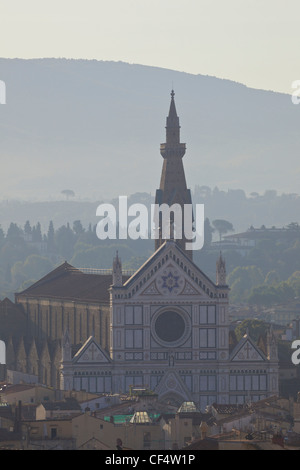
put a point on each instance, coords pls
(169, 332)
(165, 328)
(168, 323)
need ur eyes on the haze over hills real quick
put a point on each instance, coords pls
(95, 127)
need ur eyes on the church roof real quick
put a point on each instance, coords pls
(165, 246)
(70, 283)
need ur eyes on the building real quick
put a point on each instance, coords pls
(71, 432)
(244, 242)
(57, 409)
(165, 327)
(169, 325)
(27, 393)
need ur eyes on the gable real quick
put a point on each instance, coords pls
(91, 352)
(170, 280)
(169, 272)
(171, 383)
(246, 351)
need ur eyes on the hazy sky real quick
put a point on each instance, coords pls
(255, 42)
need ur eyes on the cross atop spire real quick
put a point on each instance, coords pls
(172, 127)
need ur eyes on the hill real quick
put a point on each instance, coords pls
(95, 127)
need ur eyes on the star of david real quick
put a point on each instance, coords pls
(170, 281)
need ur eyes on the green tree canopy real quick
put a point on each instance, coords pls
(255, 327)
(272, 277)
(242, 280)
(222, 227)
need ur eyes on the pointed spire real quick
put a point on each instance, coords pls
(173, 147)
(172, 119)
(66, 347)
(117, 271)
(173, 127)
(221, 271)
(173, 188)
(272, 349)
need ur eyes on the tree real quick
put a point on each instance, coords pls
(37, 233)
(293, 226)
(77, 227)
(51, 238)
(208, 231)
(222, 227)
(68, 193)
(242, 280)
(2, 236)
(36, 266)
(8, 274)
(270, 194)
(64, 240)
(14, 233)
(17, 274)
(294, 282)
(264, 296)
(27, 228)
(272, 277)
(285, 292)
(255, 327)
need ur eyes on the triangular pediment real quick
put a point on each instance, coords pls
(172, 384)
(91, 352)
(169, 272)
(189, 289)
(151, 290)
(247, 351)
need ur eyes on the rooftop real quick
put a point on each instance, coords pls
(188, 407)
(141, 417)
(70, 283)
(67, 404)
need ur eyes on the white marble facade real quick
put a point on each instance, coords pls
(169, 332)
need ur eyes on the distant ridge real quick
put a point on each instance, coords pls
(95, 127)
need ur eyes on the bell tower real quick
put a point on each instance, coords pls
(173, 189)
